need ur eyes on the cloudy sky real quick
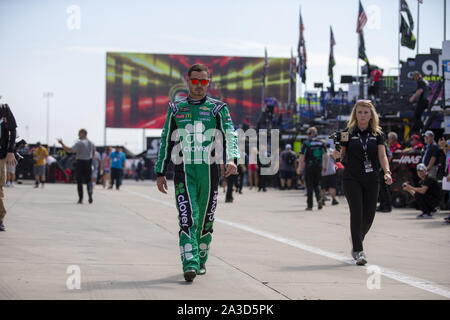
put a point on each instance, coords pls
(60, 46)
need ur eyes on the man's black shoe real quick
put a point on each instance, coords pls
(228, 200)
(380, 208)
(2, 226)
(90, 198)
(80, 201)
(386, 210)
(334, 202)
(189, 274)
(308, 209)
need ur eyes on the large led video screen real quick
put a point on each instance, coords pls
(139, 86)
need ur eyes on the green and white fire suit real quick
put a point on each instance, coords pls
(189, 131)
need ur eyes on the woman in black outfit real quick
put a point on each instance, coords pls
(363, 152)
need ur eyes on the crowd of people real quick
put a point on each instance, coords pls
(318, 169)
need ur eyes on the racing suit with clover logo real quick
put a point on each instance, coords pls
(189, 131)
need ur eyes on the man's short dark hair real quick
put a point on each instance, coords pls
(83, 131)
(198, 68)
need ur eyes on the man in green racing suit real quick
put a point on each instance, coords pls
(194, 122)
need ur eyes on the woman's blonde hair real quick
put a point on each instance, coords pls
(374, 121)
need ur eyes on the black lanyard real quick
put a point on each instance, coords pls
(364, 145)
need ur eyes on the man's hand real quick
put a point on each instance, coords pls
(60, 141)
(11, 159)
(411, 100)
(161, 182)
(230, 169)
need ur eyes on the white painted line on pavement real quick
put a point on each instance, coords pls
(389, 273)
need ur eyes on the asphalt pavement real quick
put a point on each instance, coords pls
(265, 246)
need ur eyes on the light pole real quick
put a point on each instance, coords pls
(48, 95)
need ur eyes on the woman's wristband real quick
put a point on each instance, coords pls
(388, 172)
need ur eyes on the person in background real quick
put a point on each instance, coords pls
(105, 167)
(287, 167)
(375, 77)
(311, 154)
(117, 167)
(84, 151)
(263, 162)
(7, 148)
(394, 146)
(445, 147)
(329, 177)
(11, 175)
(421, 95)
(242, 169)
(416, 144)
(139, 170)
(253, 168)
(95, 167)
(426, 195)
(40, 154)
(431, 154)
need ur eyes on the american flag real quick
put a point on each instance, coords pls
(362, 19)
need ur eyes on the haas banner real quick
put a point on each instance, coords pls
(140, 86)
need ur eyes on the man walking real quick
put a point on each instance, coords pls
(118, 160)
(196, 177)
(40, 155)
(84, 150)
(311, 154)
(7, 145)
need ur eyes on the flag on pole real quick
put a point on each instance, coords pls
(404, 7)
(362, 19)
(292, 68)
(362, 49)
(331, 61)
(408, 39)
(292, 73)
(301, 50)
(266, 67)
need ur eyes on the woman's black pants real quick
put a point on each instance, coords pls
(362, 200)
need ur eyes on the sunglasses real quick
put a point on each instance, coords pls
(195, 81)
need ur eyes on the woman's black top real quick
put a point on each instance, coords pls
(355, 156)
